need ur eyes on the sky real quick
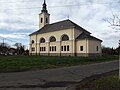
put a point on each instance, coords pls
(19, 18)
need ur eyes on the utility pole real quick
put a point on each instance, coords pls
(3, 46)
(3, 42)
(119, 59)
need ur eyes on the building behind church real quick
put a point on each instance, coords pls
(63, 38)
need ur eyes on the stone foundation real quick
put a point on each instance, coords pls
(68, 54)
(88, 54)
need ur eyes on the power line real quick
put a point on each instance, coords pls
(7, 39)
(101, 3)
(16, 2)
(22, 8)
(78, 2)
(14, 34)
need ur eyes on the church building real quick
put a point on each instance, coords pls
(63, 38)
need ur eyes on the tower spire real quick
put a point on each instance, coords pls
(44, 8)
(44, 16)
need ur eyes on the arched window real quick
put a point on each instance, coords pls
(64, 38)
(42, 40)
(46, 20)
(41, 20)
(32, 41)
(52, 39)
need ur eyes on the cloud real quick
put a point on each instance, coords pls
(15, 35)
(21, 16)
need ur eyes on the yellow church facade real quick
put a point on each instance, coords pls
(63, 38)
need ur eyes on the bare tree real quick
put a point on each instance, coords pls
(114, 21)
(20, 48)
(4, 48)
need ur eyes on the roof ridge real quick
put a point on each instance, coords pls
(60, 21)
(84, 35)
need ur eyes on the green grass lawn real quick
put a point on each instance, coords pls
(109, 82)
(22, 63)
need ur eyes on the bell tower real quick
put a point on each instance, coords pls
(44, 16)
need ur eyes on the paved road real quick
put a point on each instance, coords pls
(53, 79)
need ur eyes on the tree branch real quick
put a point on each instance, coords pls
(114, 22)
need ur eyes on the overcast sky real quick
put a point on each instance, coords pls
(19, 18)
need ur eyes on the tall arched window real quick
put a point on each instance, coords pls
(42, 40)
(52, 39)
(32, 41)
(65, 38)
